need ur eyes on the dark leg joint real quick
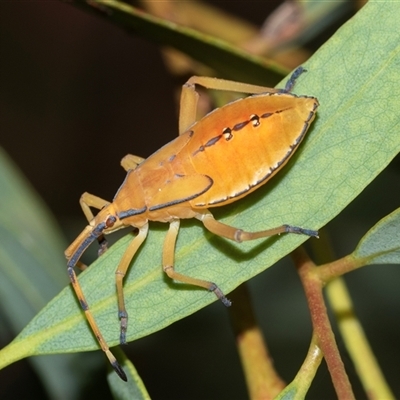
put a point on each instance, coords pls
(218, 292)
(300, 231)
(84, 305)
(123, 317)
(71, 274)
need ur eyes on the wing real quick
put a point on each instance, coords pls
(179, 189)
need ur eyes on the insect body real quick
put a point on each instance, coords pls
(215, 161)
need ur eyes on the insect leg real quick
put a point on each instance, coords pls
(131, 162)
(229, 86)
(238, 235)
(86, 201)
(168, 264)
(119, 277)
(188, 106)
(189, 96)
(73, 254)
(292, 80)
(93, 324)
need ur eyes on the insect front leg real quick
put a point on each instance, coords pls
(103, 344)
(169, 259)
(120, 274)
(73, 254)
(238, 235)
(86, 201)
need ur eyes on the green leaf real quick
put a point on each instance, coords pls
(354, 137)
(381, 244)
(134, 388)
(32, 269)
(289, 393)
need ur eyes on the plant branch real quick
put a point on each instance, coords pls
(298, 388)
(322, 328)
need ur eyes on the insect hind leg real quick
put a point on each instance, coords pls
(168, 265)
(292, 80)
(238, 235)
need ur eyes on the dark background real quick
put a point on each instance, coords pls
(76, 95)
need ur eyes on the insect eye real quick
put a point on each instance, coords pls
(255, 120)
(227, 133)
(110, 221)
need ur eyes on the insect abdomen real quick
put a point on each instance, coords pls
(255, 138)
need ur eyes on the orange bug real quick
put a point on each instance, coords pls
(198, 170)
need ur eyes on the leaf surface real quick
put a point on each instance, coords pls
(354, 137)
(381, 244)
(32, 270)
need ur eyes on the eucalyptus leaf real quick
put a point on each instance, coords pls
(32, 269)
(381, 244)
(289, 393)
(134, 388)
(354, 137)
